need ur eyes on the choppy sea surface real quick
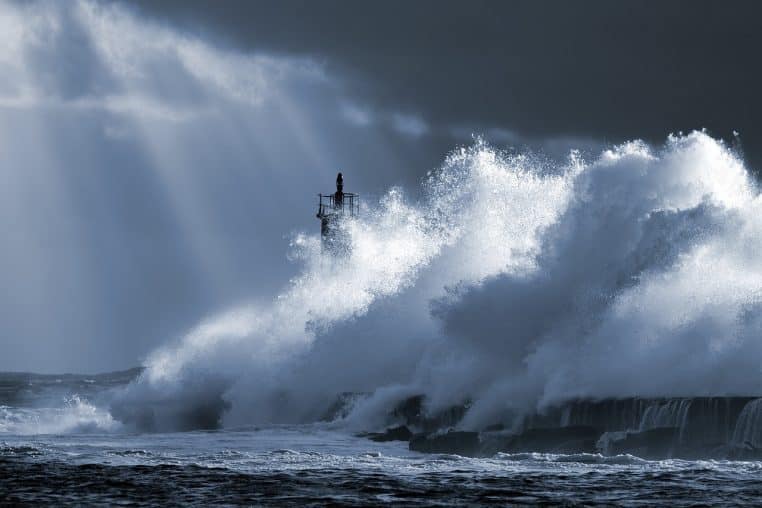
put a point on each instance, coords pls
(61, 448)
(303, 465)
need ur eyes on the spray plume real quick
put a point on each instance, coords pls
(514, 283)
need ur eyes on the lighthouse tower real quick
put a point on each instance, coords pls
(332, 209)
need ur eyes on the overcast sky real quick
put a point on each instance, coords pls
(156, 156)
(600, 69)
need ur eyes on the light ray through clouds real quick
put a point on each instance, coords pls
(149, 177)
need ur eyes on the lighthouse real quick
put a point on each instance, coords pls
(332, 210)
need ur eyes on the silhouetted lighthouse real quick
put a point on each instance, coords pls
(332, 208)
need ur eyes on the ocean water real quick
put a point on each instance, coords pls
(62, 448)
(302, 465)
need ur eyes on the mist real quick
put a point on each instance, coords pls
(513, 284)
(152, 176)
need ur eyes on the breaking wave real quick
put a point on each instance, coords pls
(513, 283)
(76, 415)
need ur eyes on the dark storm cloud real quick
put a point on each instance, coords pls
(608, 70)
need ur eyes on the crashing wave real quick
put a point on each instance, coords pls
(513, 283)
(76, 415)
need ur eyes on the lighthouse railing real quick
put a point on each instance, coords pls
(350, 204)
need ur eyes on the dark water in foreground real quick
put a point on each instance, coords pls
(59, 446)
(313, 465)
